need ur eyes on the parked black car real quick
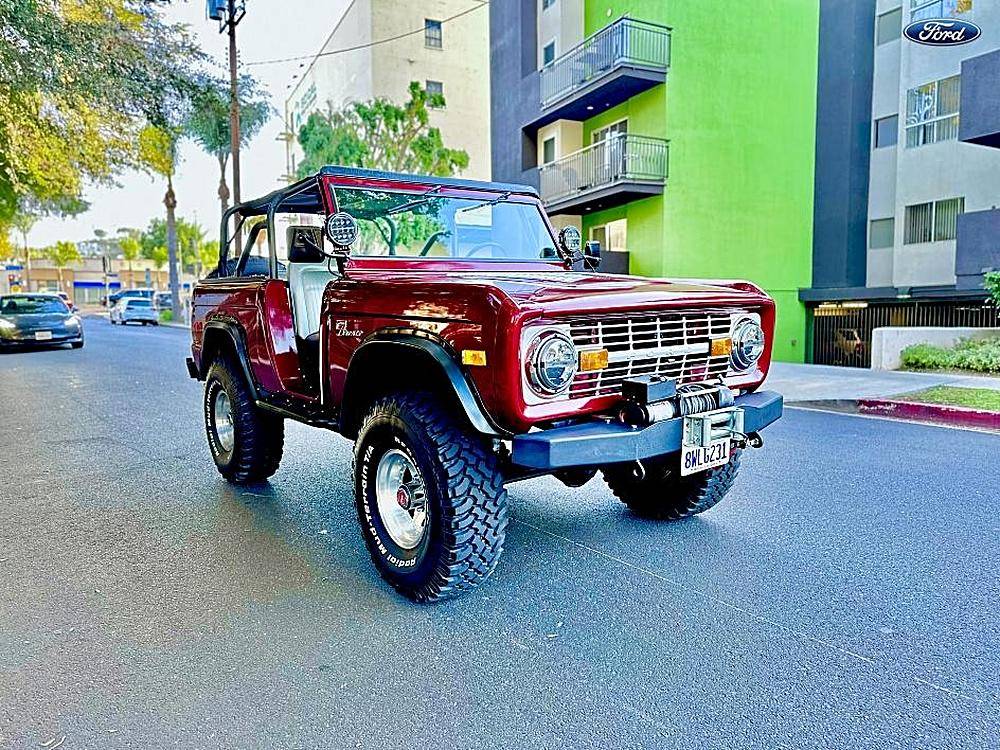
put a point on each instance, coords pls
(38, 319)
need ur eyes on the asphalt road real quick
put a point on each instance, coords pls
(845, 595)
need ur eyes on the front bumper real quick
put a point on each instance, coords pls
(27, 339)
(601, 442)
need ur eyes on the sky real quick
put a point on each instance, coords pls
(270, 29)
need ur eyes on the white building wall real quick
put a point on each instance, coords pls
(948, 169)
(385, 70)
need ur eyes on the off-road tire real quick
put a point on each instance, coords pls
(466, 500)
(259, 437)
(663, 494)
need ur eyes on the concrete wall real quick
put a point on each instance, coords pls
(563, 22)
(888, 343)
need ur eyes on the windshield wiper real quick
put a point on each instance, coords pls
(492, 202)
(415, 202)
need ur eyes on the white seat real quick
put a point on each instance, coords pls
(306, 284)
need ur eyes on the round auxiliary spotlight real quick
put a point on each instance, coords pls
(342, 229)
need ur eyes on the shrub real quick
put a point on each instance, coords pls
(992, 283)
(166, 316)
(978, 355)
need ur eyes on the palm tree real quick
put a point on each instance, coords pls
(158, 151)
(130, 251)
(61, 255)
(208, 123)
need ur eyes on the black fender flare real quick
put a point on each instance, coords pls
(464, 391)
(235, 335)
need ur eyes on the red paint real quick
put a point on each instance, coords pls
(958, 416)
(469, 304)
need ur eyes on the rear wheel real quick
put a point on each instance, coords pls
(658, 490)
(429, 496)
(246, 442)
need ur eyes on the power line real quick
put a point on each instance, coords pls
(482, 4)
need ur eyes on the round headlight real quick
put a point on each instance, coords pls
(551, 363)
(748, 343)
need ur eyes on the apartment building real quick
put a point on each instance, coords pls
(678, 134)
(447, 54)
(907, 187)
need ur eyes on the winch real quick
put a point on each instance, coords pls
(651, 399)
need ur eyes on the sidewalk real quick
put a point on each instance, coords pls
(825, 383)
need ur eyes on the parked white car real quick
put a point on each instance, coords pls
(134, 310)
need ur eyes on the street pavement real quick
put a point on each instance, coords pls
(845, 595)
(827, 383)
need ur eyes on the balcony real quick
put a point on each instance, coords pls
(615, 64)
(606, 174)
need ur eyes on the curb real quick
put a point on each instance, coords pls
(958, 416)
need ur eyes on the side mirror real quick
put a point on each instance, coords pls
(342, 230)
(592, 255)
(569, 243)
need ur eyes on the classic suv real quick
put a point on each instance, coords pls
(445, 327)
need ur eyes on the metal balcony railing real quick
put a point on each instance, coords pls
(618, 159)
(625, 42)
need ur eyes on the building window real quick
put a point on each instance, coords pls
(612, 236)
(548, 4)
(880, 233)
(932, 112)
(432, 34)
(886, 129)
(609, 132)
(549, 150)
(932, 222)
(435, 93)
(549, 53)
(888, 26)
(921, 9)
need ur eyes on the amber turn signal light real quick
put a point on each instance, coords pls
(474, 357)
(595, 359)
(721, 347)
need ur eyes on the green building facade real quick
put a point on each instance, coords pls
(680, 132)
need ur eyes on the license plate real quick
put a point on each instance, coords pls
(43, 335)
(707, 439)
(695, 458)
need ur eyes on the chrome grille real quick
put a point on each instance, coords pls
(673, 345)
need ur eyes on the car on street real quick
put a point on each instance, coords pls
(134, 310)
(38, 319)
(65, 298)
(163, 301)
(142, 292)
(446, 328)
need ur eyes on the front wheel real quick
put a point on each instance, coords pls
(658, 491)
(246, 442)
(430, 498)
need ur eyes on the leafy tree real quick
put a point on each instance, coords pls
(992, 283)
(189, 236)
(61, 255)
(208, 122)
(77, 82)
(158, 151)
(208, 256)
(380, 134)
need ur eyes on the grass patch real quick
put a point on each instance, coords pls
(976, 355)
(974, 398)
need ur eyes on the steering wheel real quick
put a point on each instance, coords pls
(436, 237)
(485, 245)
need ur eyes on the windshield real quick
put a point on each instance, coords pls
(425, 225)
(31, 305)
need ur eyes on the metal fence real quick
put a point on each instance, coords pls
(842, 334)
(625, 42)
(622, 157)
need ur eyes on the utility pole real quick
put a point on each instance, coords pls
(232, 20)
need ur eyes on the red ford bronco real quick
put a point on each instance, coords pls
(462, 344)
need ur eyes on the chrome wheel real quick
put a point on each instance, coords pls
(401, 498)
(222, 420)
